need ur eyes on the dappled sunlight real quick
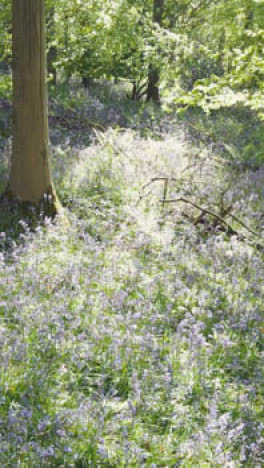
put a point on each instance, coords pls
(125, 325)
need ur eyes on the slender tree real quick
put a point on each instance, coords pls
(153, 93)
(30, 177)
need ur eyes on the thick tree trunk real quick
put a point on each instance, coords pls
(153, 93)
(30, 176)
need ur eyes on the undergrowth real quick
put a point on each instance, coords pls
(130, 336)
(237, 133)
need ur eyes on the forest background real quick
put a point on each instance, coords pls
(131, 328)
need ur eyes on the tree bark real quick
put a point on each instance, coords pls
(153, 92)
(30, 177)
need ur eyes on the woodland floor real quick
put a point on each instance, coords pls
(131, 329)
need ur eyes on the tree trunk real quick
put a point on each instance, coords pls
(153, 93)
(86, 82)
(30, 176)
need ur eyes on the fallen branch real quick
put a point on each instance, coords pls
(231, 230)
(243, 224)
(205, 211)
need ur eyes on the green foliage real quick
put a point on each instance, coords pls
(213, 48)
(5, 87)
(238, 78)
(5, 114)
(97, 40)
(5, 28)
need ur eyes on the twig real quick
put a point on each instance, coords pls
(142, 196)
(94, 124)
(204, 210)
(244, 225)
(165, 191)
(217, 216)
(208, 159)
(155, 179)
